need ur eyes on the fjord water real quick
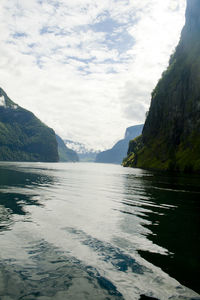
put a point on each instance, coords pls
(97, 231)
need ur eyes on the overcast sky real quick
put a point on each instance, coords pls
(87, 68)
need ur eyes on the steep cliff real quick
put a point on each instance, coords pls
(171, 136)
(65, 154)
(117, 153)
(22, 136)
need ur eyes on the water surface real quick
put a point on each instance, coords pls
(97, 231)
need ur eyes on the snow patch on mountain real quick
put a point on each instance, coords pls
(84, 152)
(2, 101)
(4, 104)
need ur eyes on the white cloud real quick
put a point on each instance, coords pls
(87, 69)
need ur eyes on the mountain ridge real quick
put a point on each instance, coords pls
(117, 153)
(65, 154)
(23, 137)
(85, 153)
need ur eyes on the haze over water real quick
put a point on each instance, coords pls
(96, 231)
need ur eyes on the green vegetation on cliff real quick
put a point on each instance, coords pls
(23, 137)
(65, 154)
(171, 136)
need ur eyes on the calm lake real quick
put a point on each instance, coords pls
(97, 231)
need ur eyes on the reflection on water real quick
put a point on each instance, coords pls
(53, 274)
(95, 231)
(17, 193)
(173, 223)
(176, 227)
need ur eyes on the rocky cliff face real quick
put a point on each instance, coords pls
(117, 153)
(22, 136)
(171, 134)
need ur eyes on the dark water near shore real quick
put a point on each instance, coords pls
(95, 231)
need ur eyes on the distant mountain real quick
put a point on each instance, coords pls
(85, 153)
(117, 153)
(23, 137)
(65, 154)
(171, 134)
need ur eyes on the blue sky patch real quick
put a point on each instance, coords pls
(108, 25)
(18, 35)
(46, 29)
(53, 3)
(117, 36)
(122, 41)
(32, 45)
